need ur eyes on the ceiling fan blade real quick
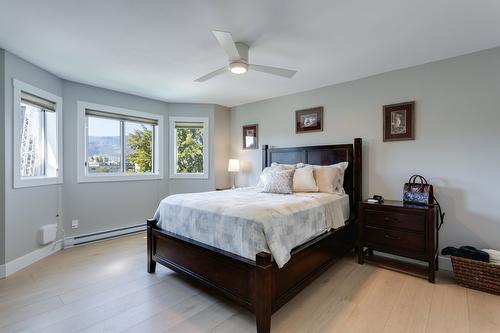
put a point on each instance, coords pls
(212, 74)
(226, 41)
(273, 70)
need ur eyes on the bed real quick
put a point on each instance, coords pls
(263, 283)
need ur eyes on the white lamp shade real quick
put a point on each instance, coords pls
(234, 165)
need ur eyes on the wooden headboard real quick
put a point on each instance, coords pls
(324, 155)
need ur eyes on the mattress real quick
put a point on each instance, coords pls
(246, 221)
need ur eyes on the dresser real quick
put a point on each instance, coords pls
(400, 230)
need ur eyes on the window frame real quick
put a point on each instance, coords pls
(18, 180)
(85, 177)
(173, 148)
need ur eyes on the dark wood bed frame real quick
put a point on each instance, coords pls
(260, 286)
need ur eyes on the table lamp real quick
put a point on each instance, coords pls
(233, 166)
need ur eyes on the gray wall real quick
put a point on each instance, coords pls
(105, 205)
(108, 205)
(221, 146)
(26, 209)
(2, 156)
(97, 206)
(456, 145)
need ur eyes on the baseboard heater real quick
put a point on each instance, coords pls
(102, 235)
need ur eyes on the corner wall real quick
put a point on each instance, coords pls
(456, 139)
(26, 209)
(2, 165)
(98, 206)
(222, 146)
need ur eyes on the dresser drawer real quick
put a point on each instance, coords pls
(395, 239)
(393, 219)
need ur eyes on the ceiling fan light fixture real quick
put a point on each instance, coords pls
(238, 60)
(238, 67)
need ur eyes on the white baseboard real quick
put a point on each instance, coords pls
(19, 263)
(102, 235)
(445, 264)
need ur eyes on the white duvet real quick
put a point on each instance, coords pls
(246, 221)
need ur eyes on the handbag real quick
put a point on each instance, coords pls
(418, 191)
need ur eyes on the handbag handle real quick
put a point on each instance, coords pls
(413, 180)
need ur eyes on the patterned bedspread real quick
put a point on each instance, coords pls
(246, 221)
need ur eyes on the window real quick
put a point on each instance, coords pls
(37, 136)
(188, 147)
(117, 144)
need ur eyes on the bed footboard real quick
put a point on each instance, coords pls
(210, 267)
(260, 286)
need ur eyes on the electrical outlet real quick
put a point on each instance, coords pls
(74, 224)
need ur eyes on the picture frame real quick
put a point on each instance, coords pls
(309, 120)
(399, 121)
(250, 136)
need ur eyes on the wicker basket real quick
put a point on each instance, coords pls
(477, 274)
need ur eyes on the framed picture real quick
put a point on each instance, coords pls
(399, 121)
(309, 120)
(250, 136)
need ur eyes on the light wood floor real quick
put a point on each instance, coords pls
(90, 289)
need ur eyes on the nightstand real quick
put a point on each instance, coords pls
(402, 230)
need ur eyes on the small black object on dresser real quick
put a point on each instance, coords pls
(399, 229)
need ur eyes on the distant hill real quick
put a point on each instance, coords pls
(104, 146)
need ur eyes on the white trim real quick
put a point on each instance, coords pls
(444, 264)
(30, 258)
(73, 241)
(172, 151)
(83, 177)
(18, 181)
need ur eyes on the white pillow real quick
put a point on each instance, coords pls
(279, 181)
(342, 166)
(327, 179)
(303, 180)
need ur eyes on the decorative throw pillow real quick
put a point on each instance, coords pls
(303, 180)
(279, 181)
(269, 169)
(285, 166)
(327, 179)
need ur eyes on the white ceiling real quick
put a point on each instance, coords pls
(156, 48)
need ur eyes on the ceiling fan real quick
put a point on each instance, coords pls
(238, 60)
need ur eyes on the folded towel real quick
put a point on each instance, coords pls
(468, 252)
(494, 256)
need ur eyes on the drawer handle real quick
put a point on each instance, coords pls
(391, 237)
(390, 219)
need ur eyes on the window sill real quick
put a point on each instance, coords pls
(37, 181)
(189, 176)
(118, 178)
